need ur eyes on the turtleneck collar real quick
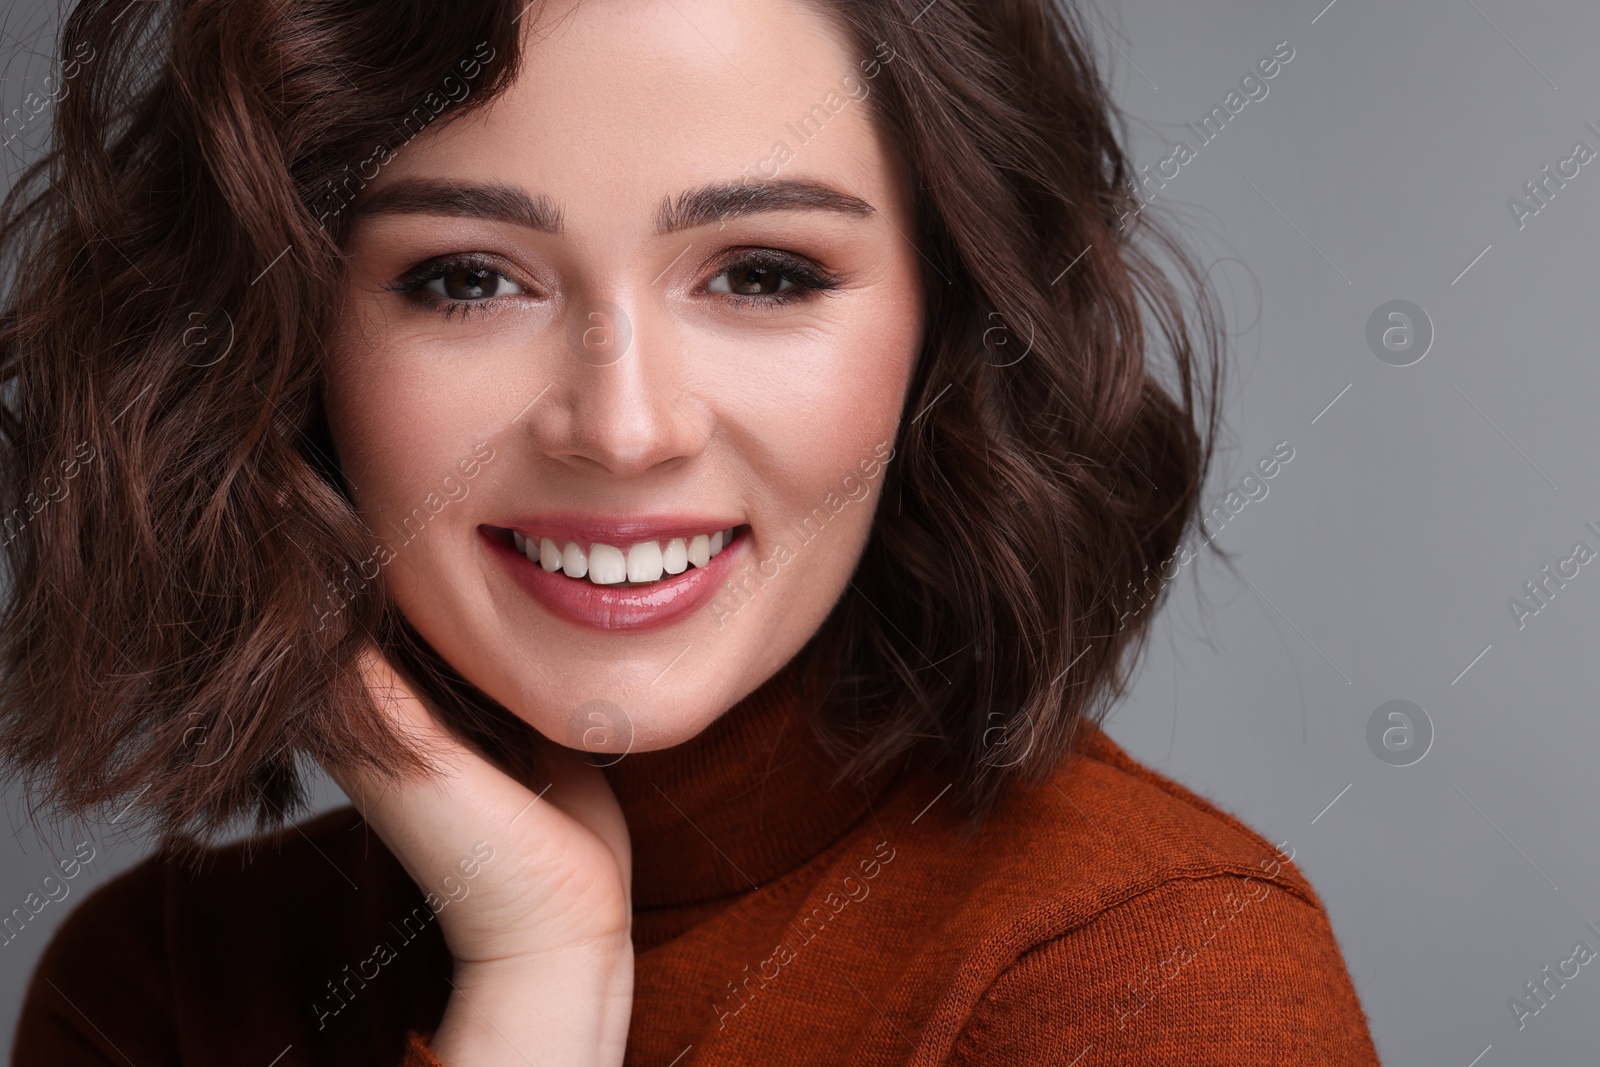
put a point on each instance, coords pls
(747, 800)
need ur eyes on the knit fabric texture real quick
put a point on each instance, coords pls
(1107, 916)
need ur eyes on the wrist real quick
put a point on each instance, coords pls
(560, 1007)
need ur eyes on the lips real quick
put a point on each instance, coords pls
(638, 589)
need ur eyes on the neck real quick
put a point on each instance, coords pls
(750, 798)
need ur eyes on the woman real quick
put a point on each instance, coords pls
(683, 468)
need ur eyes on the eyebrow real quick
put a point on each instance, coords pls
(500, 202)
(493, 201)
(721, 201)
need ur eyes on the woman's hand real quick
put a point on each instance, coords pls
(531, 889)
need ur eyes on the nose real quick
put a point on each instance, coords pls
(617, 401)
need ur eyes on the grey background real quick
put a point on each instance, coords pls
(1379, 565)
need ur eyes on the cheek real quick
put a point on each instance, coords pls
(362, 402)
(831, 395)
(402, 456)
(828, 410)
(400, 426)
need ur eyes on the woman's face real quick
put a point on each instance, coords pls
(661, 289)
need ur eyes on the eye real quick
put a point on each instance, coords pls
(751, 281)
(470, 283)
(459, 284)
(769, 277)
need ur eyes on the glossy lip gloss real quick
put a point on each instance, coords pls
(611, 608)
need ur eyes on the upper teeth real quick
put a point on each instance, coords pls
(644, 561)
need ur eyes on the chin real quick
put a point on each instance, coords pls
(632, 707)
(610, 693)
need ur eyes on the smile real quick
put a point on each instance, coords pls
(641, 563)
(609, 587)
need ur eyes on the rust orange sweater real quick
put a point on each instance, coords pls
(1108, 917)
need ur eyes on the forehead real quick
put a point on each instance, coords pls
(619, 102)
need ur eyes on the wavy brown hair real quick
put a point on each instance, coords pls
(174, 518)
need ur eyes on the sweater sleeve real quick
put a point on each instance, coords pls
(100, 994)
(1207, 972)
(418, 1054)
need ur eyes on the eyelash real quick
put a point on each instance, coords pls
(808, 280)
(410, 285)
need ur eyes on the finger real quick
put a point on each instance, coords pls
(427, 818)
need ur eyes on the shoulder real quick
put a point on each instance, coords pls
(1123, 912)
(1190, 972)
(1096, 833)
(152, 958)
(294, 874)
(106, 959)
